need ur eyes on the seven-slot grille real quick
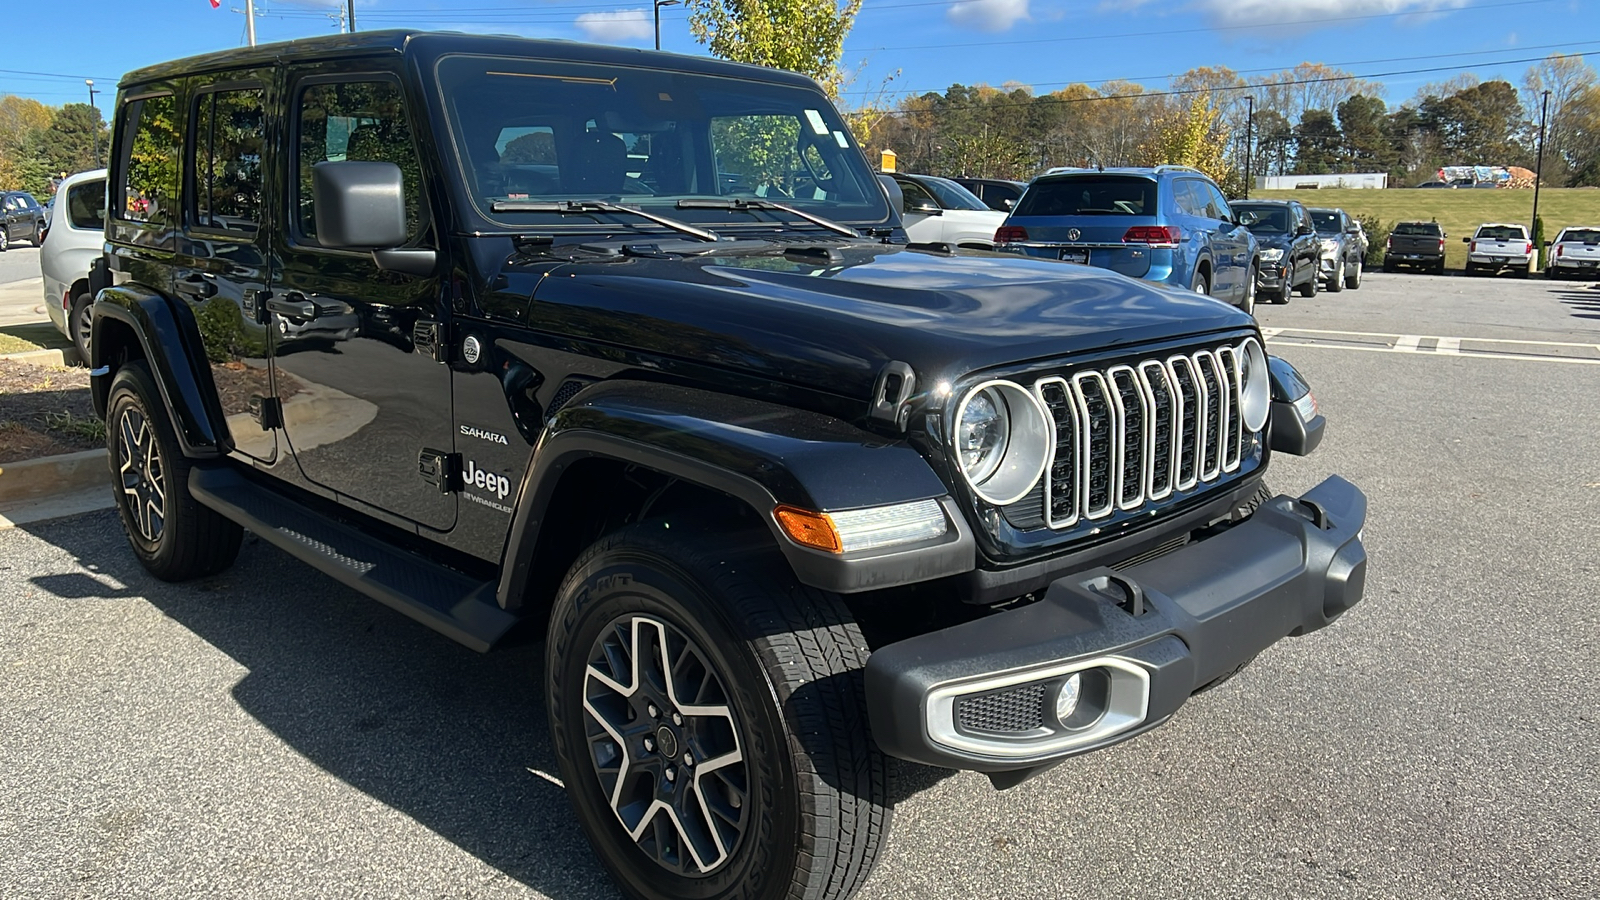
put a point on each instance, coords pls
(1133, 434)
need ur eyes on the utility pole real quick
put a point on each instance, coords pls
(1249, 127)
(659, 4)
(250, 20)
(96, 132)
(1538, 176)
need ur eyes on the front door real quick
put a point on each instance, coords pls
(364, 400)
(221, 267)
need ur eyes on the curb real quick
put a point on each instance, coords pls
(34, 480)
(67, 356)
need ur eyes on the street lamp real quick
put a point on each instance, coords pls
(95, 132)
(1538, 176)
(1249, 126)
(659, 4)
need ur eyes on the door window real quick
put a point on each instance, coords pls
(149, 163)
(355, 120)
(86, 204)
(226, 167)
(916, 196)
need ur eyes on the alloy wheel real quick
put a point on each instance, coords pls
(665, 745)
(143, 477)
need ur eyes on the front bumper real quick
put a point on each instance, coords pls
(981, 695)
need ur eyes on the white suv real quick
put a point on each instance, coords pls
(75, 237)
(1575, 253)
(1497, 246)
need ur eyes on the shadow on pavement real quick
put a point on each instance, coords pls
(1584, 302)
(449, 737)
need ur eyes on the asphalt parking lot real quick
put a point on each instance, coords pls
(269, 733)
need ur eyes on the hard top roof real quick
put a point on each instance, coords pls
(431, 45)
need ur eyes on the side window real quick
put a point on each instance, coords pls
(1190, 202)
(1216, 204)
(86, 205)
(227, 160)
(354, 120)
(916, 196)
(149, 163)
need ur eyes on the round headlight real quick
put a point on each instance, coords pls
(1002, 440)
(1255, 392)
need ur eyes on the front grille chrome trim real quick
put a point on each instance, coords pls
(1139, 432)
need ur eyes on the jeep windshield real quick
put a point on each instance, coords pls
(540, 140)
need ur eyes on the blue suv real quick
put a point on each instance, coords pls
(1169, 224)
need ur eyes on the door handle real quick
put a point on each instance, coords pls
(294, 304)
(196, 286)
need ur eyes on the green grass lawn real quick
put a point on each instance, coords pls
(1460, 211)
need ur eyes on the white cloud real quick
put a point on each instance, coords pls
(988, 15)
(1276, 12)
(622, 25)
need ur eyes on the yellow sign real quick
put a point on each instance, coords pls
(887, 164)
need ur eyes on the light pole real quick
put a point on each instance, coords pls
(1249, 125)
(659, 4)
(95, 132)
(1538, 176)
(350, 6)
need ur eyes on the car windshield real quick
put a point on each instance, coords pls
(1427, 229)
(1263, 219)
(1326, 222)
(540, 130)
(952, 195)
(1581, 235)
(1502, 233)
(1090, 195)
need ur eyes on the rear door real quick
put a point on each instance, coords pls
(368, 403)
(222, 267)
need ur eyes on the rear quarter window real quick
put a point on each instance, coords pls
(86, 205)
(1090, 196)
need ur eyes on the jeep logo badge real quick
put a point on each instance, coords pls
(471, 349)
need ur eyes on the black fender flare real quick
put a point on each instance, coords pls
(171, 344)
(760, 453)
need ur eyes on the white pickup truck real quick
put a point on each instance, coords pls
(1496, 246)
(1575, 253)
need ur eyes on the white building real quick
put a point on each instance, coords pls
(1312, 182)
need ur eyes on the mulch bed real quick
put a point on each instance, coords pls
(45, 411)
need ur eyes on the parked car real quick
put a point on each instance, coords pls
(939, 211)
(784, 496)
(70, 245)
(1342, 249)
(997, 193)
(1417, 245)
(1497, 247)
(1169, 224)
(21, 219)
(1435, 184)
(1575, 253)
(1287, 247)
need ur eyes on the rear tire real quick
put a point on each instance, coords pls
(80, 322)
(1201, 283)
(174, 537)
(786, 795)
(38, 235)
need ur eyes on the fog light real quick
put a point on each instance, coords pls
(1067, 698)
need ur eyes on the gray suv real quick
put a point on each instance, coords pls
(1344, 249)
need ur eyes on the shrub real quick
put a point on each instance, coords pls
(1377, 236)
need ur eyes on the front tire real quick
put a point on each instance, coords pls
(1353, 279)
(672, 641)
(1248, 305)
(1336, 283)
(5, 239)
(174, 537)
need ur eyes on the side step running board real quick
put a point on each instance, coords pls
(440, 598)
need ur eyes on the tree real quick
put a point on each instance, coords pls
(1363, 127)
(20, 119)
(1316, 141)
(1568, 79)
(1193, 138)
(805, 36)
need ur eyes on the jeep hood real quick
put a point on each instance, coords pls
(830, 323)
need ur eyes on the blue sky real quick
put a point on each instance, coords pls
(931, 43)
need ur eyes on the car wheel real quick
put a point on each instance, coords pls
(80, 325)
(1309, 289)
(173, 536)
(709, 718)
(1201, 283)
(1249, 303)
(1336, 283)
(1438, 268)
(5, 239)
(38, 235)
(1352, 280)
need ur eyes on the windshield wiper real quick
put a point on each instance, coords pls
(568, 207)
(741, 203)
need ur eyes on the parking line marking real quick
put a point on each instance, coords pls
(1467, 355)
(1449, 346)
(1407, 343)
(1382, 334)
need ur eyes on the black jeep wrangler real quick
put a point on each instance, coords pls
(631, 347)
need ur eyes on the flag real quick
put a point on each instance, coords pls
(216, 4)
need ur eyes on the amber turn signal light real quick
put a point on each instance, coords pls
(809, 529)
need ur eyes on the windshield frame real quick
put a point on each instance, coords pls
(473, 214)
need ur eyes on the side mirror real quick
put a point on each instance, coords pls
(1304, 229)
(1466, 240)
(897, 198)
(362, 206)
(926, 209)
(1353, 229)
(1009, 203)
